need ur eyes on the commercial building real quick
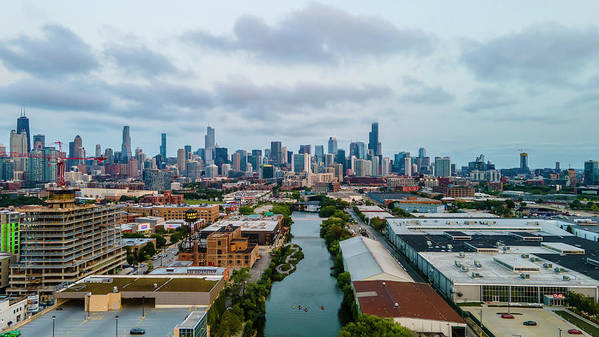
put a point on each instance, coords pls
(112, 193)
(209, 213)
(259, 229)
(194, 325)
(442, 167)
(63, 242)
(12, 311)
(162, 199)
(498, 260)
(226, 247)
(103, 293)
(159, 180)
(591, 172)
(415, 204)
(135, 244)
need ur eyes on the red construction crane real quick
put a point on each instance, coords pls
(60, 161)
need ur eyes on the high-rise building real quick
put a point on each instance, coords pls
(421, 152)
(442, 167)
(591, 172)
(357, 149)
(386, 166)
(163, 146)
(305, 149)
(268, 172)
(256, 160)
(243, 160)
(221, 156)
(194, 169)
(276, 152)
(329, 159)
(23, 128)
(524, 163)
(187, 151)
(18, 148)
(75, 151)
(39, 142)
(341, 159)
(557, 168)
(236, 161)
(301, 162)
(7, 168)
(210, 145)
(126, 147)
(399, 162)
(159, 180)
(319, 153)
(89, 243)
(333, 145)
(407, 171)
(374, 145)
(98, 150)
(109, 155)
(181, 160)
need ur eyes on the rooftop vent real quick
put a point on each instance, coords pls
(525, 276)
(477, 264)
(566, 278)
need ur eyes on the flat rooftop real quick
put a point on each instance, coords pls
(495, 273)
(455, 215)
(101, 285)
(247, 223)
(187, 270)
(71, 321)
(136, 241)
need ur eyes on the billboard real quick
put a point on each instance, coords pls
(33, 303)
(143, 227)
(173, 225)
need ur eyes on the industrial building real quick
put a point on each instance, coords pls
(62, 242)
(499, 260)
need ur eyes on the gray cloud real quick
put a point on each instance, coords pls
(547, 54)
(260, 100)
(485, 99)
(139, 60)
(57, 95)
(59, 52)
(317, 34)
(421, 93)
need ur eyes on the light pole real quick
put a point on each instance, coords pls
(53, 320)
(560, 332)
(143, 309)
(116, 329)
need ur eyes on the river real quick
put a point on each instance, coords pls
(311, 286)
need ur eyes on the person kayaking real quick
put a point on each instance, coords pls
(322, 307)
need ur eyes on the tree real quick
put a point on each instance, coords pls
(378, 224)
(327, 211)
(229, 324)
(510, 204)
(246, 210)
(368, 325)
(160, 240)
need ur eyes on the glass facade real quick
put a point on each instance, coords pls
(518, 294)
(200, 329)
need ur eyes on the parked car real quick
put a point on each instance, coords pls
(14, 333)
(137, 331)
(507, 316)
(574, 332)
(530, 323)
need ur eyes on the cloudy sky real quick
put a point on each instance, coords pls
(457, 77)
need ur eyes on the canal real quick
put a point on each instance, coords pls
(310, 286)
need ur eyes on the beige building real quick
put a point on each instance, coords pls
(63, 242)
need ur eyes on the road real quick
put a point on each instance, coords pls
(382, 239)
(169, 255)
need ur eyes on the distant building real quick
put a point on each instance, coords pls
(159, 180)
(442, 167)
(524, 163)
(163, 146)
(332, 145)
(23, 129)
(591, 172)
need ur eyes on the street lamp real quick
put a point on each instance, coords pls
(143, 309)
(560, 332)
(53, 320)
(116, 330)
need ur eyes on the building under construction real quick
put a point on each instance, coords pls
(63, 242)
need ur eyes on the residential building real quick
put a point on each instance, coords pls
(226, 247)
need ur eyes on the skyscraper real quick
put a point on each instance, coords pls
(23, 128)
(187, 151)
(163, 146)
(421, 152)
(374, 146)
(333, 145)
(305, 149)
(524, 163)
(319, 153)
(126, 147)
(39, 142)
(301, 162)
(98, 150)
(18, 145)
(591, 172)
(210, 145)
(276, 154)
(442, 167)
(357, 149)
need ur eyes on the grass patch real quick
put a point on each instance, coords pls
(588, 328)
(200, 202)
(188, 284)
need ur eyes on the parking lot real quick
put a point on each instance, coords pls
(72, 322)
(548, 322)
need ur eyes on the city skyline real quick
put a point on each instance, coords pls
(427, 69)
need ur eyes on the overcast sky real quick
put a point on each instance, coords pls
(459, 77)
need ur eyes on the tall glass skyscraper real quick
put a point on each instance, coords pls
(374, 145)
(23, 127)
(163, 146)
(126, 147)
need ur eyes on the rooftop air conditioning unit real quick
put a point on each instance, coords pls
(566, 278)
(477, 264)
(524, 276)
(525, 256)
(461, 254)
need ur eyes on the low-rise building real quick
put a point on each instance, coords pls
(194, 325)
(210, 213)
(167, 198)
(135, 244)
(12, 311)
(226, 247)
(259, 229)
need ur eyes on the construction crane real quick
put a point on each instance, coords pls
(59, 159)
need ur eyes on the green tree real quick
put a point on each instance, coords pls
(367, 325)
(229, 324)
(378, 224)
(246, 210)
(160, 240)
(510, 204)
(327, 211)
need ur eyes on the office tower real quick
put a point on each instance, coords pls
(421, 152)
(333, 145)
(301, 163)
(341, 159)
(140, 156)
(286, 155)
(39, 142)
(211, 171)
(18, 147)
(163, 146)
(268, 172)
(591, 172)
(329, 159)
(386, 166)
(256, 160)
(243, 160)
(109, 155)
(357, 149)
(363, 168)
(126, 147)
(557, 168)
(376, 164)
(305, 149)
(23, 128)
(210, 145)
(226, 168)
(442, 167)
(3, 150)
(221, 156)
(524, 163)
(276, 152)
(193, 169)
(407, 171)
(399, 162)
(7, 168)
(181, 160)
(236, 161)
(187, 151)
(98, 150)
(41, 167)
(89, 243)
(319, 153)
(374, 146)
(75, 151)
